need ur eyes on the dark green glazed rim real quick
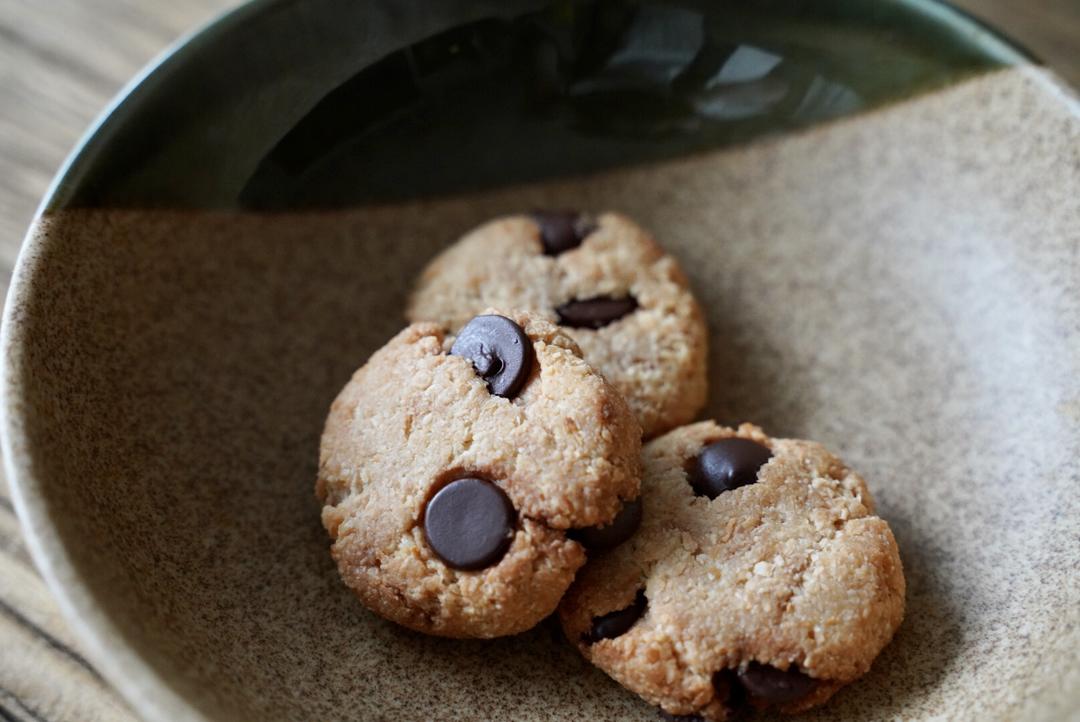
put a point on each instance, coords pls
(324, 103)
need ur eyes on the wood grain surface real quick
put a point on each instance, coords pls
(60, 63)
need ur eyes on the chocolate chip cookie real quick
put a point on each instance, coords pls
(605, 281)
(463, 478)
(760, 575)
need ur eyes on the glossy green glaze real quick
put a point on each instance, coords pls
(324, 103)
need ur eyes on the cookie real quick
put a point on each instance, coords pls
(462, 478)
(760, 575)
(605, 281)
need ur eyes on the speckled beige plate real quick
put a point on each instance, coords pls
(903, 285)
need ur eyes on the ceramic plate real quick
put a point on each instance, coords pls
(879, 207)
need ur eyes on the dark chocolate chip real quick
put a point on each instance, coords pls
(621, 528)
(595, 312)
(615, 623)
(776, 686)
(469, 523)
(727, 464)
(729, 691)
(562, 230)
(499, 350)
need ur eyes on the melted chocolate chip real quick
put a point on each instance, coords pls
(595, 312)
(776, 686)
(562, 230)
(729, 691)
(621, 528)
(727, 464)
(499, 350)
(615, 623)
(469, 523)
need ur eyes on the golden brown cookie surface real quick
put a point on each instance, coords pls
(780, 588)
(605, 281)
(449, 503)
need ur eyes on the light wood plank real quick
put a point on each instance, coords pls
(39, 683)
(60, 63)
(26, 599)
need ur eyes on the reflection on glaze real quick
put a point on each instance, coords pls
(337, 104)
(554, 90)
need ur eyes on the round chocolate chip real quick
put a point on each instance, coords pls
(595, 312)
(776, 686)
(469, 523)
(562, 230)
(727, 464)
(621, 528)
(500, 352)
(615, 623)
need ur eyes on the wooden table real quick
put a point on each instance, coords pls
(60, 62)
